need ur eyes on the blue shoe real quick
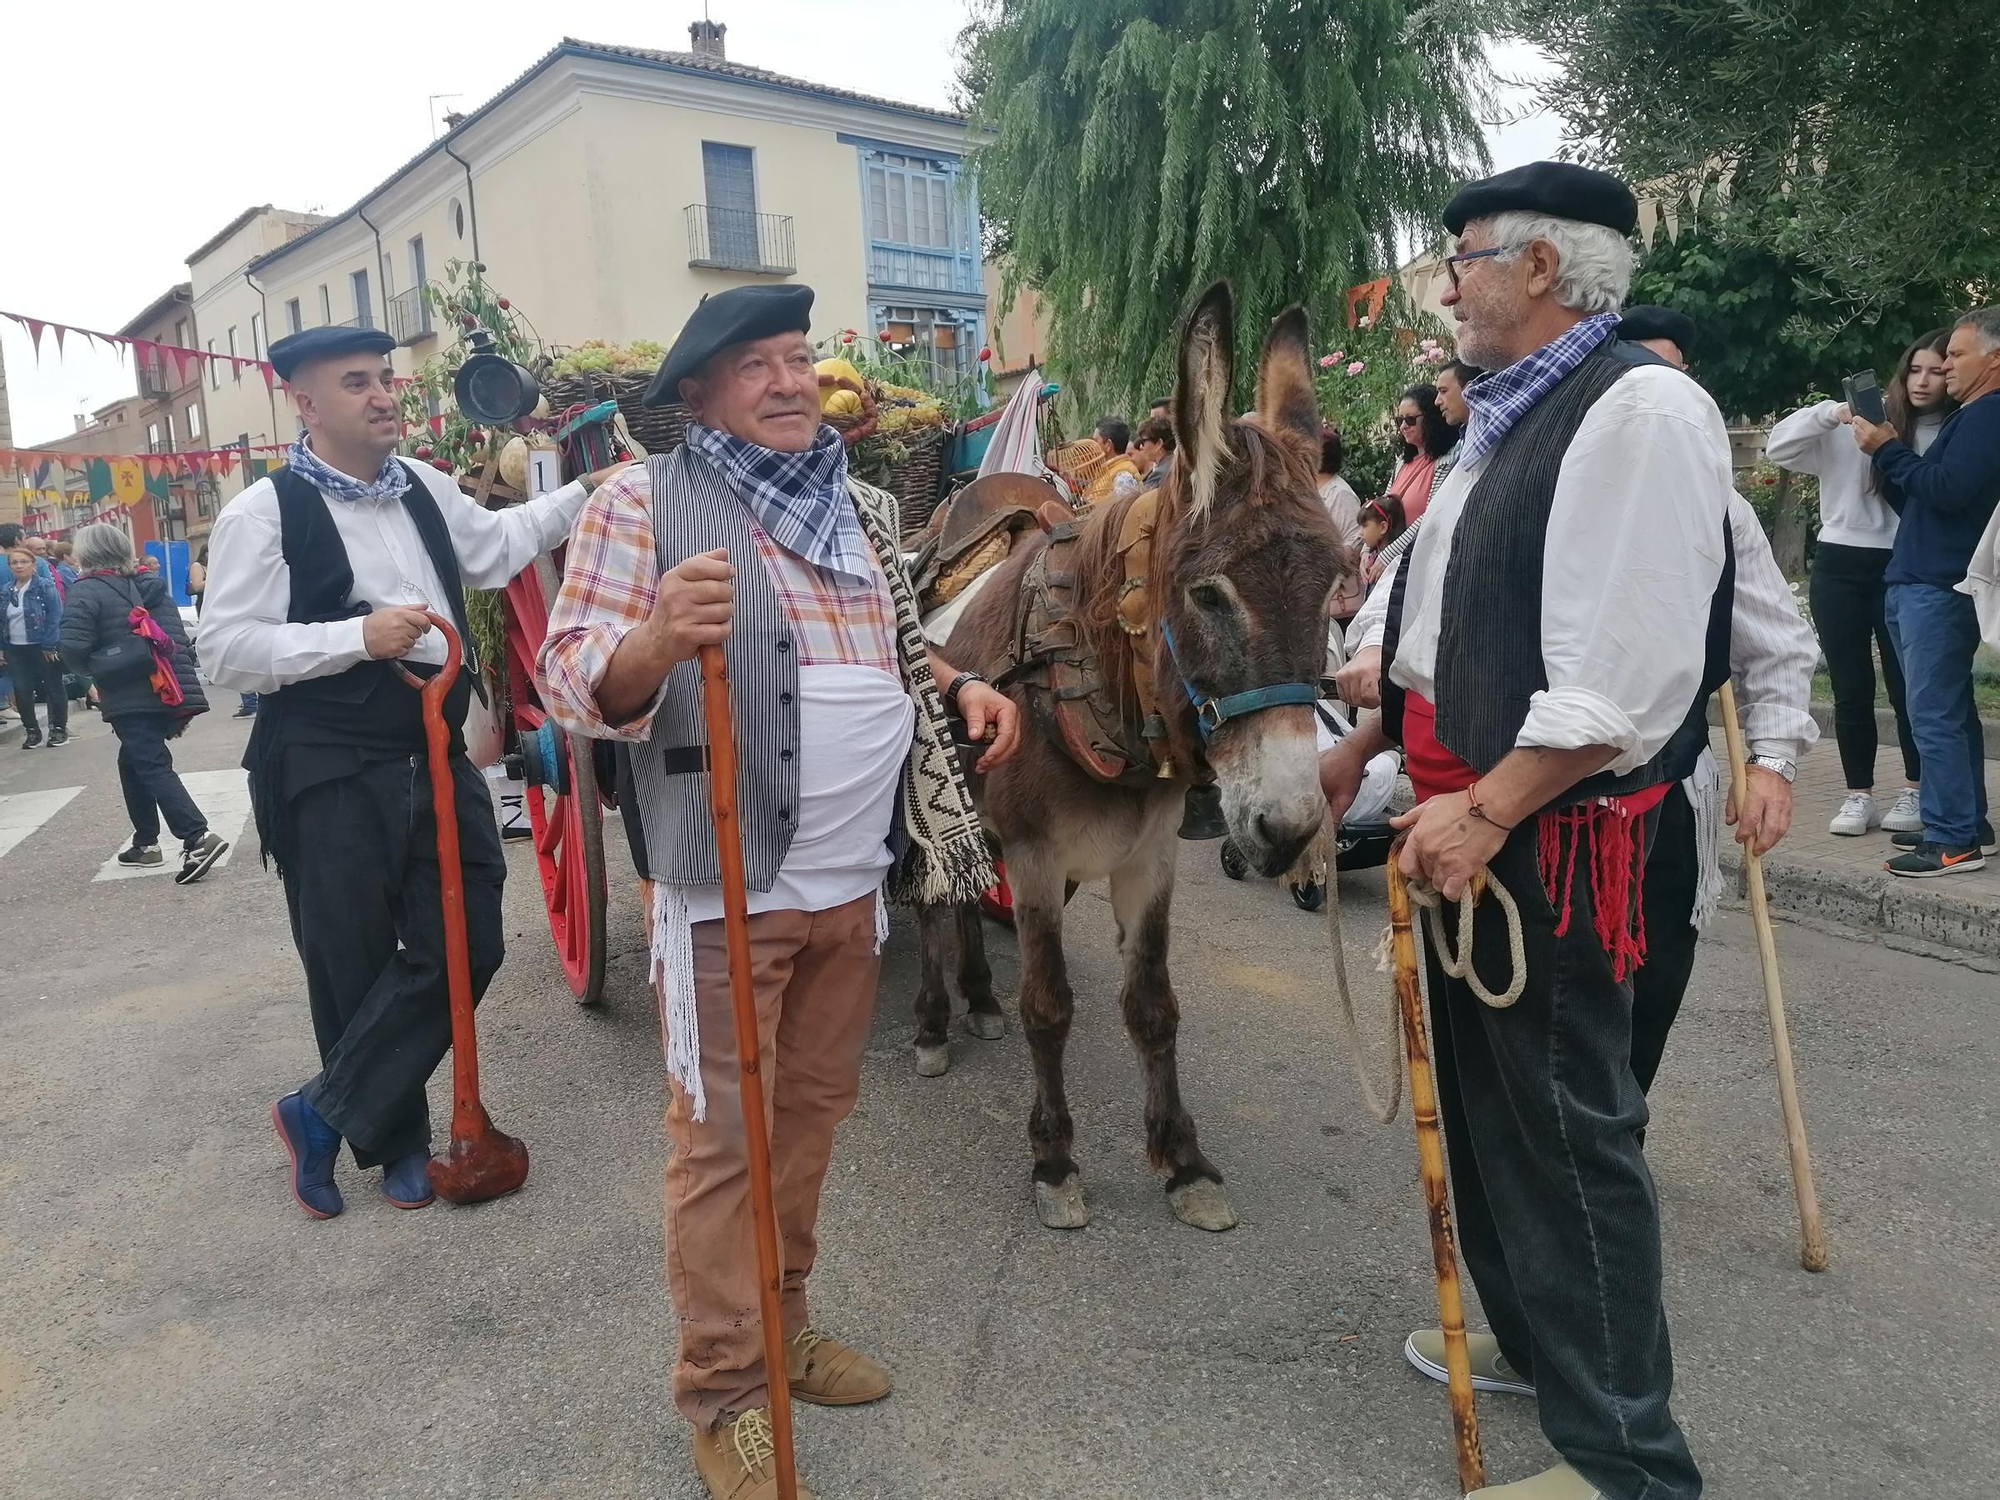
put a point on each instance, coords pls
(314, 1147)
(406, 1181)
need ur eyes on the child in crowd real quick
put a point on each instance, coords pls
(1381, 523)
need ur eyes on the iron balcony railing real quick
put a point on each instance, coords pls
(366, 320)
(409, 316)
(735, 239)
(155, 384)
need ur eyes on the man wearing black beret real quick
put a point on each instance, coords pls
(318, 581)
(754, 537)
(1550, 644)
(1667, 333)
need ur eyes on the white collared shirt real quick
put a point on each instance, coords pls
(1631, 561)
(249, 646)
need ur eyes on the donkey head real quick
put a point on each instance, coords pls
(1249, 561)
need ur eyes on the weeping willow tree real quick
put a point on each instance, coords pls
(1140, 148)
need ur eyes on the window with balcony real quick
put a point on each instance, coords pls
(153, 438)
(725, 232)
(364, 310)
(294, 320)
(256, 335)
(235, 371)
(325, 306)
(214, 369)
(191, 423)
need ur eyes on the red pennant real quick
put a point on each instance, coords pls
(146, 352)
(35, 327)
(269, 374)
(60, 331)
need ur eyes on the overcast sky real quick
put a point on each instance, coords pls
(135, 136)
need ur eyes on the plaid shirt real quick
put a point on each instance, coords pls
(611, 580)
(1495, 402)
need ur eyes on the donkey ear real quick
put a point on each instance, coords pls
(1201, 398)
(1285, 399)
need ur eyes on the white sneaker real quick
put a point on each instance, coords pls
(1856, 816)
(1904, 817)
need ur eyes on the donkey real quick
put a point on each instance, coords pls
(1243, 558)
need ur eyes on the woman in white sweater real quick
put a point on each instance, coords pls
(1857, 530)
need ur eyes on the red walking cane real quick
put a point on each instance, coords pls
(482, 1161)
(749, 1075)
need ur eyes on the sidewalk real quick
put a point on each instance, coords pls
(1841, 880)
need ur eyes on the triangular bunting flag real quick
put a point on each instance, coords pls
(269, 375)
(60, 331)
(35, 327)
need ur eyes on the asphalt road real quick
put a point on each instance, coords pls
(171, 1325)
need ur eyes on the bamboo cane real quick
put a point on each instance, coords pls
(1812, 1234)
(1430, 1165)
(743, 1002)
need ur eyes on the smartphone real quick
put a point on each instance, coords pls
(1864, 397)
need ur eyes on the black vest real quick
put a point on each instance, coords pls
(367, 711)
(1489, 657)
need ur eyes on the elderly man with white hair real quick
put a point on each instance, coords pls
(1550, 645)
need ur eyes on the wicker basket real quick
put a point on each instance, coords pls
(1077, 462)
(660, 429)
(915, 481)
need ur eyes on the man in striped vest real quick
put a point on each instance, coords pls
(754, 537)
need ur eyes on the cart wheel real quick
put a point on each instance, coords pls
(564, 812)
(1309, 897)
(1234, 865)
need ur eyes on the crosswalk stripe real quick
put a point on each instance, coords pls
(21, 813)
(224, 799)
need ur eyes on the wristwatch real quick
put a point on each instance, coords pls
(1777, 765)
(957, 683)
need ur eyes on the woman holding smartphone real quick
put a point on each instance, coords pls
(1857, 530)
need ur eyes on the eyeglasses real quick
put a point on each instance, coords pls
(1403, 421)
(1453, 262)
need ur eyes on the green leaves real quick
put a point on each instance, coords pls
(1141, 148)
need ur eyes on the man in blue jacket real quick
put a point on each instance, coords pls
(1945, 497)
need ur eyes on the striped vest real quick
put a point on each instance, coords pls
(694, 511)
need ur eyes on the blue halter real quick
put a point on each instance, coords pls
(1211, 713)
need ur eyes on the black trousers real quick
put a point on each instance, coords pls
(1557, 1218)
(151, 785)
(1660, 983)
(362, 888)
(33, 672)
(1848, 598)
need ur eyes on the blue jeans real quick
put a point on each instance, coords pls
(1936, 633)
(151, 785)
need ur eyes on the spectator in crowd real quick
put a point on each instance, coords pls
(1945, 498)
(147, 703)
(33, 612)
(1119, 475)
(1162, 406)
(62, 558)
(1153, 450)
(1849, 596)
(1343, 508)
(1426, 437)
(1382, 522)
(198, 579)
(1451, 383)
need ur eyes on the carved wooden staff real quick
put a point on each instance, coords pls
(749, 1076)
(1430, 1165)
(1812, 1234)
(482, 1160)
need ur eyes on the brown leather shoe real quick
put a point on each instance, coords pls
(827, 1372)
(738, 1462)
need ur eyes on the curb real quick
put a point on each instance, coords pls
(1885, 727)
(1879, 902)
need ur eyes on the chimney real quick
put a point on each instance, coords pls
(707, 39)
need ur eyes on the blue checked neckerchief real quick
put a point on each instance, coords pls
(1494, 403)
(799, 499)
(386, 485)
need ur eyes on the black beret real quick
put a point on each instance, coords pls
(736, 316)
(295, 349)
(1560, 189)
(1648, 322)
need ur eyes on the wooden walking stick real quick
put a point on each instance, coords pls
(482, 1161)
(1430, 1165)
(742, 999)
(1812, 1234)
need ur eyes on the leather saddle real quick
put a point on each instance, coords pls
(976, 530)
(1111, 728)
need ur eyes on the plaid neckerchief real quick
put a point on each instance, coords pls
(390, 482)
(1495, 402)
(799, 499)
